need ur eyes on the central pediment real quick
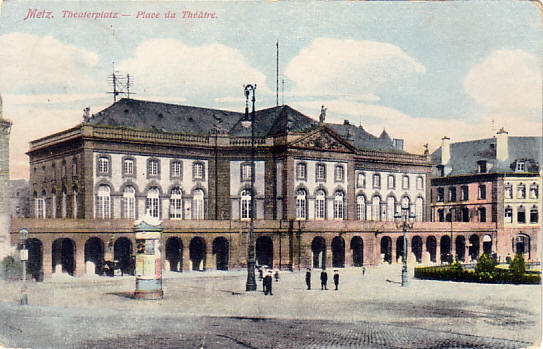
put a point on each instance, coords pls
(323, 139)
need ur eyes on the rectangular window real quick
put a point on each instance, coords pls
(128, 167)
(301, 171)
(452, 194)
(153, 167)
(361, 180)
(338, 173)
(405, 182)
(321, 172)
(508, 215)
(465, 193)
(151, 204)
(508, 191)
(441, 215)
(521, 216)
(521, 191)
(198, 171)
(391, 182)
(521, 166)
(482, 166)
(246, 172)
(177, 169)
(420, 183)
(103, 166)
(482, 192)
(40, 208)
(377, 181)
(176, 208)
(320, 210)
(440, 194)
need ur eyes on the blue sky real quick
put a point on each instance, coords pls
(419, 70)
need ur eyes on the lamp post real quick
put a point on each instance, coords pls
(404, 220)
(246, 122)
(24, 257)
(451, 210)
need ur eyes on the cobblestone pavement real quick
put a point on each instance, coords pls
(212, 310)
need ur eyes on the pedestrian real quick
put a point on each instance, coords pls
(308, 278)
(265, 285)
(324, 279)
(276, 275)
(268, 281)
(363, 271)
(336, 278)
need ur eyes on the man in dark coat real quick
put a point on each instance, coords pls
(324, 279)
(308, 278)
(268, 282)
(336, 278)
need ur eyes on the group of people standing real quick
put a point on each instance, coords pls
(324, 279)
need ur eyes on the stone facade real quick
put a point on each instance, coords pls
(5, 129)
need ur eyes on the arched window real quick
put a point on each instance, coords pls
(40, 205)
(129, 202)
(103, 207)
(339, 205)
(375, 208)
(391, 207)
(246, 204)
(54, 204)
(176, 204)
(521, 215)
(534, 214)
(406, 202)
(301, 204)
(508, 191)
(419, 209)
(74, 202)
(534, 191)
(320, 205)
(521, 191)
(360, 208)
(508, 215)
(64, 203)
(420, 183)
(152, 203)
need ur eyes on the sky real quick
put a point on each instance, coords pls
(420, 70)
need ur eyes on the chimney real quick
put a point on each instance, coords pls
(397, 143)
(445, 150)
(502, 145)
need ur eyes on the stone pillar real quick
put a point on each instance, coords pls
(210, 263)
(47, 258)
(187, 265)
(79, 257)
(438, 252)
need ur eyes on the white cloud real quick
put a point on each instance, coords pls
(169, 67)
(36, 62)
(506, 81)
(332, 67)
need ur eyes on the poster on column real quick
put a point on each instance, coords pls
(380, 160)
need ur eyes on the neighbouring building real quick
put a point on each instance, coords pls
(325, 194)
(494, 180)
(5, 130)
(19, 199)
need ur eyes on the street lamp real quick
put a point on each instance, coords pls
(404, 220)
(24, 257)
(246, 122)
(451, 215)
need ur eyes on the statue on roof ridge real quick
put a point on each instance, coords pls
(322, 116)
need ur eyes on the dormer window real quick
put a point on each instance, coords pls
(521, 166)
(481, 166)
(441, 170)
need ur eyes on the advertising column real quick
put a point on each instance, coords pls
(148, 259)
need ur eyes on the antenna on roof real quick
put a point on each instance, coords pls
(277, 74)
(283, 92)
(120, 84)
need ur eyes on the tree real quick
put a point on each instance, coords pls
(485, 264)
(517, 267)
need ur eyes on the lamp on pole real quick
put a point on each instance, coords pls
(451, 215)
(404, 220)
(246, 122)
(24, 257)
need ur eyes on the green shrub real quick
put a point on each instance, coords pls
(455, 272)
(485, 265)
(517, 267)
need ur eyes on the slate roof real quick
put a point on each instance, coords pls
(283, 119)
(465, 155)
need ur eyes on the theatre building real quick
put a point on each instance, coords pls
(325, 194)
(493, 180)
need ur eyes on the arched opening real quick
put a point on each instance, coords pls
(94, 256)
(35, 253)
(460, 243)
(318, 247)
(416, 247)
(264, 251)
(197, 253)
(174, 253)
(63, 256)
(521, 245)
(474, 247)
(431, 247)
(220, 250)
(399, 249)
(386, 249)
(445, 247)
(357, 248)
(122, 253)
(338, 252)
(487, 245)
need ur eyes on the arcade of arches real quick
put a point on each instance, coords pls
(78, 254)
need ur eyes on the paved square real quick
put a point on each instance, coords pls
(212, 310)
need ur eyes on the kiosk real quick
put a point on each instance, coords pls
(148, 259)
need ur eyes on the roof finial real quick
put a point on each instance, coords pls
(323, 114)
